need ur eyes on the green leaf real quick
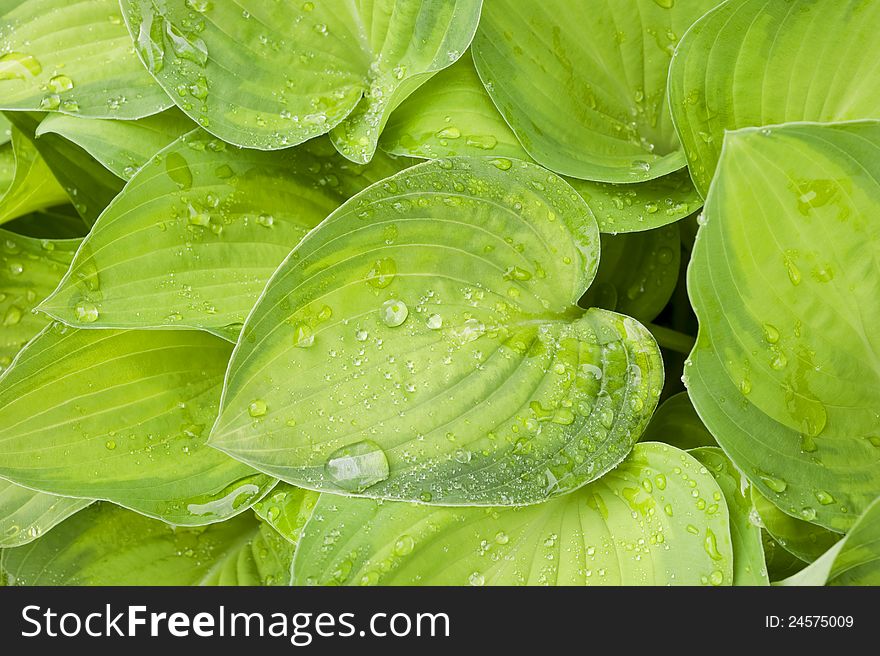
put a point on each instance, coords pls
(107, 545)
(25, 514)
(29, 270)
(423, 343)
(637, 273)
(89, 185)
(749, 567)
(752, 63)
(198, 231)
(267, 75)
(73, 57)
(123, 147)
(287, 509)
(583, 85)
(781, 563)
(677, 423)
(785, 373)
(637, 525)
(855, 560)
(55, 223)
(452, 115)
(123, 416)
(26, 183)
(806, 541)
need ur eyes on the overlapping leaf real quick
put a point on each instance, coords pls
(123, 416)
(676, 422)
(639, 525)
(785, 373)
(73, 57)
(26, 183)
(805, 540)
(268, 75)
(26, 515)
(423, 343)
(583, 85)
(751, 63)
(452, 115)
(107, 545)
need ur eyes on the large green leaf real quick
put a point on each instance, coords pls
(89, 185)
(268, 75)
(107, 545)
(749, 567)
(677, 423)
(583, 85)
(123, 416)
(803, 539)
(855, 560)
(74, 57)
(752, 63)
(198, 231)
(29, 270)
(423, 343)
(25, 515)
(640, 524)
(452, 115)
(121, 146)
(26, 184)
(637, 273)
(786, 373)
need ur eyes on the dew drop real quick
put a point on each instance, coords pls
(394, 313)
(357, 466)
(257, 408)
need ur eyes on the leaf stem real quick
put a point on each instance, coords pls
(672, 339)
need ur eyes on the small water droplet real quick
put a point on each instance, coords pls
(257, 408)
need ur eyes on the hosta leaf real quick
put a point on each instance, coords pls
(854, 560)
(268, 75)
(677, 423)
(198, 231)
(583, 85)
(637, 272)
(29, 270)
(806, 541)
(55, 223)
(749, 567)
(423, 343)
(107, 545)
(452, 114)
(783, 279)
(25, 514)
(637, 525)
(26, 184)
(75, 57)
(752, 63)
(123, 416)
(121, 146)
(781, 563)
(89, 185)
(287, 509)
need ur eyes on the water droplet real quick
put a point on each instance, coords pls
(186, 46)
(110, 445)
(257, 408)
(358, 466)
(771, 334)
(382, 273)
(502, 163)
(52, 101)
(476, 579)
(808, 514)
(462, 456)
(710, 544)
(59, 84)
(717, 576)
(303, 336)
(824, 497)
(18, 66)
(501, 537)
(13, 315)
(774, 483)
(435, 322)
(394, 313)
(86, 312)
(404, 545)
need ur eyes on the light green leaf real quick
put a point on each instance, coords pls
(107, 545)
(637, 273)
(677, 423)
(749, 567)
(29, 270)
(855, 560)
(751, 63)
(287, 509)
(123, 416)
(637, 525)
(74, 57)
(266, 75)
(89, 185)
(452, 114)
(26, 183)
(806, 541)
(423, 343)
(5, 130)
(785, 373)
(583, 85)
(26, 515)
(121, 146)
(198, 231)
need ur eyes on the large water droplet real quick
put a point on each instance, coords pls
(357, 466)
(393, 313)
(86, 311)
(18, 66)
